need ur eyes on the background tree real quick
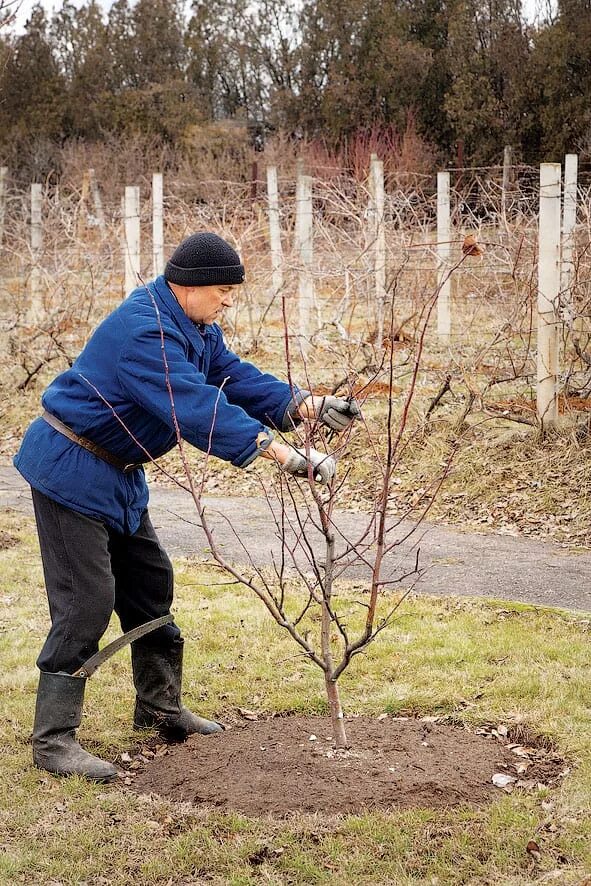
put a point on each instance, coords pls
(428, 25)
(325, 69)
(32, 110)
(487, 55)
(560, 76)
(82, 50)
(359, 66)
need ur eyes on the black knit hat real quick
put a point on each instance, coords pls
(204, 260)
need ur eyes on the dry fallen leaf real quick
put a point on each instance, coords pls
(528, 784)
(470, 246)
(520, 751)
(248, 715)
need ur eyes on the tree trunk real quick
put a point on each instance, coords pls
(336, 713)
(332, 689)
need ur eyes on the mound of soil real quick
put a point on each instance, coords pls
(289, 764)
(7, 540)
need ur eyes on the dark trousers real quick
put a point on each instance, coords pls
(91, 570)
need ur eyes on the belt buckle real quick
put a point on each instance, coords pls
(131, 466)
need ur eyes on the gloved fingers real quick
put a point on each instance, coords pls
(353, 408)
(323, 466)
(346, 406)
(338, 413)
(295, 463)
(336, 419)
(331, 402)
(324, 470)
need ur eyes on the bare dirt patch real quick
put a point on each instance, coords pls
(288, 764)
(7, 540)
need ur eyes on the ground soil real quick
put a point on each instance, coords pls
(7, 540)
(288, 764)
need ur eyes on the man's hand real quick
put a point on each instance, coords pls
(336, 412)
(293, 461)
(323, 466)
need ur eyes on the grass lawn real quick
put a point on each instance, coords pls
(476, 662)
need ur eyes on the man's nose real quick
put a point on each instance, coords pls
(228, 300)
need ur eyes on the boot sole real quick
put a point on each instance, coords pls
(97, 779)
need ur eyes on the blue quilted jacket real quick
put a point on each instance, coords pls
(122, 369)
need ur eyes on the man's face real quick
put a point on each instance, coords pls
(204, 304)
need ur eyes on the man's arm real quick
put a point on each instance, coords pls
(205, 417)
(263, 396)
(272, 401)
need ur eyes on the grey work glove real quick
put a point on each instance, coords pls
(338, 413)
(323, 465)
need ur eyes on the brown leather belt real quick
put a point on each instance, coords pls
(97, 450)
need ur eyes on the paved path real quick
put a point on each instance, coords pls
(497, 566)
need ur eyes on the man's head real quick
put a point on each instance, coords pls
(202, 272)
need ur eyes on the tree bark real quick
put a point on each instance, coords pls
(332, 689)
(336, 712)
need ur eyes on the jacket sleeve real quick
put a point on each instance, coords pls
(260, 394)
(205, 417)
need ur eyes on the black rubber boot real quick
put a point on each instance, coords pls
(57, 716)
(157, 675)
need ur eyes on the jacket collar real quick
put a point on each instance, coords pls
(165, 298)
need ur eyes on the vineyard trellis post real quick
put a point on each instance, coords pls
(3, 177)
(304, 251)
(378, 199)
(157, 224)
(35, 303)
(254, 181)
(507, 180)
(83, 213)
(274, 231)
(443, 256)
(569, 219)
(548, 294)
(97, 202)
(131, 237)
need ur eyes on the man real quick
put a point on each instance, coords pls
(154, 368)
